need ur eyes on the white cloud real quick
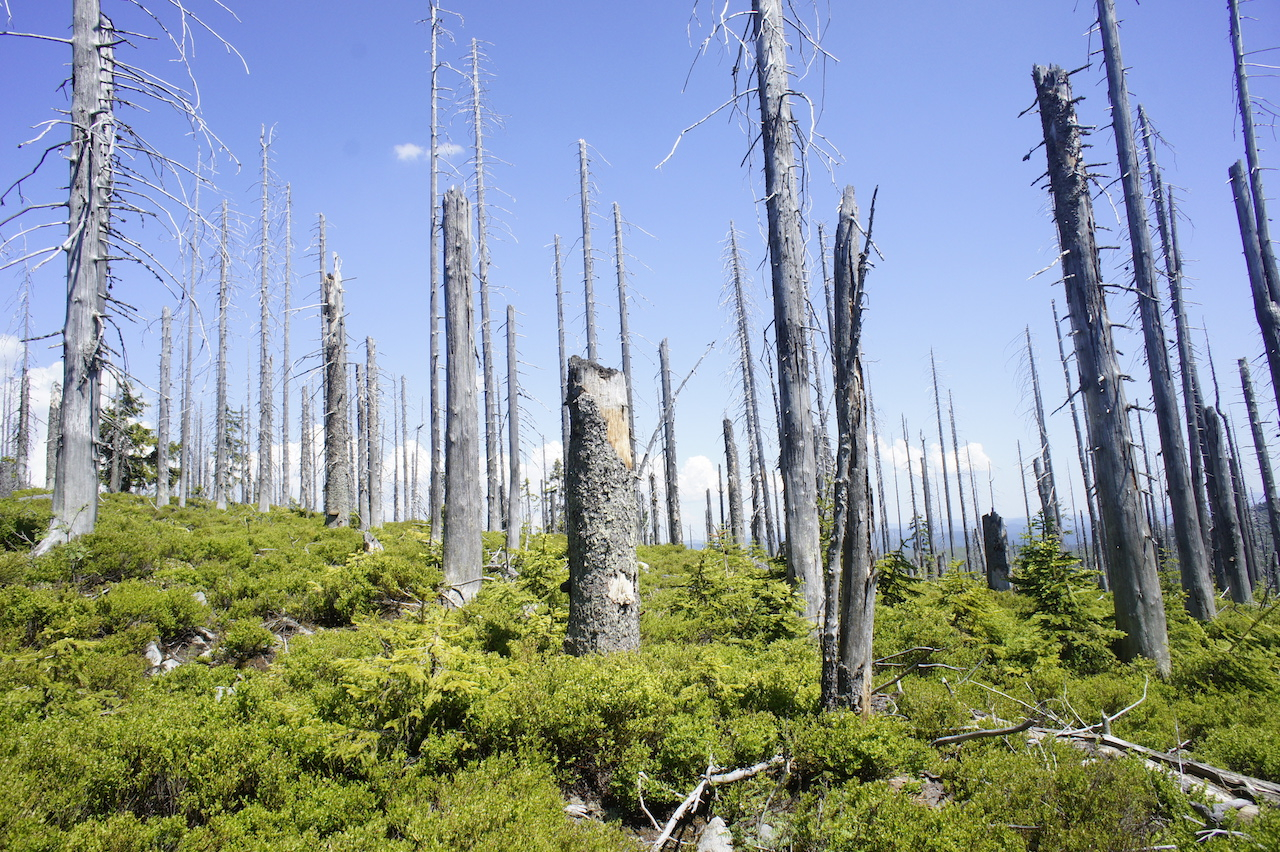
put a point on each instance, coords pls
(410, 151)
(448, 150)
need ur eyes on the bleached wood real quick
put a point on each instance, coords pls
(737, 520)
(671, 465)
(286, 372)
(588, 260)
(373, 420)
(435, 488)
(52, 441)
(162, 417)
(221, 464)
(337, 425)
(265, 394)
(515, 480)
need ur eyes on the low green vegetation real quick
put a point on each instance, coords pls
(188, 679)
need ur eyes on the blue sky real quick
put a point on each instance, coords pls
(920, 98)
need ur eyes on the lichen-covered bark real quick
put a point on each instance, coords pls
(600, 510)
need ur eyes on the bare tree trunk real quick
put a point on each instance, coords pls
(942, 451)
(52, 440)
(306, 476)
(337, 425)
(1239, 491)
(1264, 460)
(359, 391)
(762, 517)
(654, 514)
(1135, 580)
(786, 260)
(190, 457)
(514, 520)
(710, 523)
(1046, 484)
(221, 464)
(463, 554)
(928, 509)
(373, 432)
(435, 489)
(1266, 250)
(92, 153)
(22, 452)
(995, 543)
(1265, 306)
(1226, 524)
(737, 521)
(851, 533)
(604, 601)
(1192, 559)
(286, 374)
(669, 447)
(264, 339)
(409, 507)
(162, 419)
(564, 364)
(588, 260)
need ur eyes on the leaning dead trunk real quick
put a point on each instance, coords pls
(1046, 484)
(786, 261)
(162, 420)
(92, 152)
(463, 552)
(1264, 459)
(600, 506)
(1226, 524)
(1265, 307)
(1139, 603)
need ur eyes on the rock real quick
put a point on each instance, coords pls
(200, 598)
(716, 837)
(170, 664)
(153, 655)
(767, 834)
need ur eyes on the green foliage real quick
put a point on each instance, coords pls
(244, 640)
(842, 746)
(896, 582)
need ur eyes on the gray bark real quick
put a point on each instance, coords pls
(604, 602)
(955, 452)
(671, 465)
(1139, 603)
(409, 507)
(1227, 535)
(435, 488)
(1265, 306)
(306, 474)
(221, 463)
(1264, 459)
(373, 432)
(190, 457)
(337, 425)
(22, 437)
(162, 418)
(851, 531)
(786, 261)
(564, 364)
(654, 514)
(52, 441)
(1192, 560)
(588, 261)
(995, 545)
(514, 519)
(265, 428)
(710, 523)
(1046, 484)
(92, 154)
(737, 521)
(463, 552)
(762, 527)
(929, 549)
(286, 373)
(942, 451)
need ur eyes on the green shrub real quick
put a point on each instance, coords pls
(244, 640)
(133, 602)
(840, 746)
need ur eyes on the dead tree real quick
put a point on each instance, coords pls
(162, 418)
(564, 364)
(942, 451)
(995, 544)
(710, 523)
(306, 474)
(600, 506)
(337, 425)
(22, 435)
(1046, 484)
(762, 527)
(373, 432)
(52, 439)
(850, 625)
(1192, 559)
(221, 464)
(955, 451)
(1265, 305)
(737, 521)
(92, 157)
(786, 261)
(286, 374)
(1228, 540)
(463, 556)
(1264, 457)
(588, 260)
(514, 480)
(1139, 604)
(435, 488)
(654, 514)
(190, 458)
(671, 464)
(931, 569)
(265, 438)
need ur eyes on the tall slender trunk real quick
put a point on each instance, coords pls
(463, 556)
(337, 423)
(1226, 523)
(588, 260)
(22, 452)
(786, 261)
(737, 521)
(373, 432)
(762, 526)
(654, 514)
(162, 418)
(359, 393)
(221, 463)
(92, 155)
(190, 458)
(435, 488)
(286, 372)
(514, 519)
(955, 454)
(942, 451)
(1266, 307)
(1139, 604)
(306, 475)
(928, 510)
(409, 507)
(264, 340)
(52, 439)
(1264, 463)
(1192, 560)
(564, 363)
(669, 444)
(1046, 484)
(710, 521)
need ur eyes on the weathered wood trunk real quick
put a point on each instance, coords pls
(162, 418)
(306, 474)
(514, 480)
(1139, 603)
(435, 487)
(337, 425)
(286, 373)
(52, 439)
(955, 454)
(670, 464)
(1264, 463)
(942, 452)
(1046, 483)
(564, 363)
(1192, 559)
(1265, 306)
(995, 545)
(762, 528)
(654, 514)
(373, 431)
(786, 261)
(222, 462)
(359, 392)
(265, 438)
(588, 259)
(463, 554)
(600, 506)
(190, 457)
(851, 531)
(737, 520)
(409, 506)
(1227, 534)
